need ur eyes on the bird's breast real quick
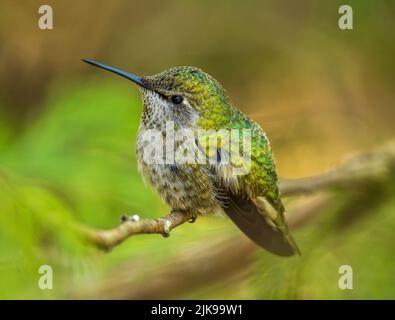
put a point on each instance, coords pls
(183, 186)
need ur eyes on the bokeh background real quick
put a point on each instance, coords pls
(67, 138)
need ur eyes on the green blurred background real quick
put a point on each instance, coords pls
(67, 138)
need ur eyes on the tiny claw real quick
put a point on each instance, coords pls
(126, 217)
(166, 229)
(193, 218)
(123, 218)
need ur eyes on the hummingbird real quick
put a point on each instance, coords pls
(191, 98)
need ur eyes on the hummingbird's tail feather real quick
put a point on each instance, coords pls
(264, 232)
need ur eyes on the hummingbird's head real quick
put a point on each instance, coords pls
(186, 95)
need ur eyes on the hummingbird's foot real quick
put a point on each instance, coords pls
(126, 217)
(193, 218)
(166, 229)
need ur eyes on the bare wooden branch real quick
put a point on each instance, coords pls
(359, 169)
(107, 239)
(228, 257)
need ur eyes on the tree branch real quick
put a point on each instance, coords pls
(107, 239)
(228, 257)
(359, 169)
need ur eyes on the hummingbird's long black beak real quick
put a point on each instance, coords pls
(124, 74)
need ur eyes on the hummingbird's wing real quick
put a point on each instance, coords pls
(252, 200)
(260, 225)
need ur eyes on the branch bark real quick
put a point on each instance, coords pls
(358, 169)
(226, 259)
(107, 239)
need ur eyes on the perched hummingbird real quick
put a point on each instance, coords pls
(191, 98)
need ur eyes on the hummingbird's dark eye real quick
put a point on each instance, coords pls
(176, 99)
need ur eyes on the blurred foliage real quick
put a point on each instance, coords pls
(67, 140)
